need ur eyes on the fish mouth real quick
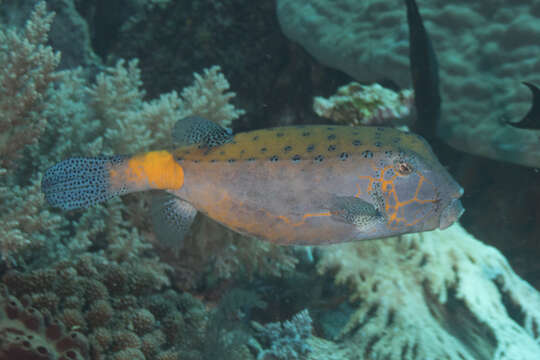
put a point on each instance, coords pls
(451, 213)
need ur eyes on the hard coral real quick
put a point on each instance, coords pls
(151, 343)
(26, 335)
(142, 321)
(439, 294)
(125, 309)
(26, 68)
(99, 314)
(212, 253)
(25, 223)
(357, 104)
(285, 341)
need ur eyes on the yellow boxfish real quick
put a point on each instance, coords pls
(307, 185)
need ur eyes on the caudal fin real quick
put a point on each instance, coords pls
(81, 182)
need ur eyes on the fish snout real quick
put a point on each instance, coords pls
(458, 193)
(451, 213)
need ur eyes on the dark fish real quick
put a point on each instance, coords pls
(532, 119)
(425, 75)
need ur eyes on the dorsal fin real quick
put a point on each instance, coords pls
(425, 74)
(198, 130)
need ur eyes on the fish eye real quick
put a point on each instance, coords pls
(403, 168)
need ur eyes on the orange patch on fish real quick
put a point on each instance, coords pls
(155, 170)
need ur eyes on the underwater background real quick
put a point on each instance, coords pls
(91, 77)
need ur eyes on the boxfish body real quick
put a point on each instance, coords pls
(290, 185)
(320, 184)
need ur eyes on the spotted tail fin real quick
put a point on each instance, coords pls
(80, 182)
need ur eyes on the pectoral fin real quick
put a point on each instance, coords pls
(353, 210)
(172, 218)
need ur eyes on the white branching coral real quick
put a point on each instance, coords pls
(27, 67)
(73, 129)
(435, 295)
(25, 221)
(357, 104)
(132, 124)
(209, 97)
(116, 98)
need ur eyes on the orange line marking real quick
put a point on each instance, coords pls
(304, 217)
(389, 192)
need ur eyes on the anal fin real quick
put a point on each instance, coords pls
(356, 211)
(172, 218)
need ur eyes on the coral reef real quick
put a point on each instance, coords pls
(439, 294)
(27, 68)
(357, 104)
(26, 335)
(507, 195)
(68, 33)
(125, 309)
(132, 124)
(76, 117)
(227, 333)
(287, 341)
(186, 36)
(484, 52)
(95, 285)
(26, 225)
(96, 272)
(213, 254)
